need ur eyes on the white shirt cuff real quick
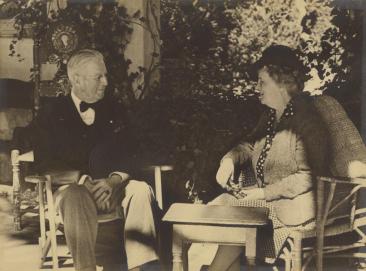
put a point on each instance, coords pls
(83, 179)
(124, 176)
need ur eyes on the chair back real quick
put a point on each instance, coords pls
(16, 104)
(346, 147)
(16, 94)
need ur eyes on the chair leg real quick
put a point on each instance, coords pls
(52, 220)
(320, 220)
(287, 264)
(43, 242)
(158, 190)
(16, 211)
(297, 253)
(16, 190)
(42, 220)
(44, 251)
(185, 256)
(286, 257)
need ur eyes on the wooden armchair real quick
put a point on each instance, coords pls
(16, 110)
(338, 217)
(46, 184)
(340, 213)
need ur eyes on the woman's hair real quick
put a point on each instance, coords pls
(80, 58)
(291, 78)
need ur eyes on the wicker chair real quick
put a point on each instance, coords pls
(339, 212)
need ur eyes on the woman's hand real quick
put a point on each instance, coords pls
(357, 169)
(254, 194)
(240, 194)
(225, 172)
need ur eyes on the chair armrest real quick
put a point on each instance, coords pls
(161, 167)
(35, 179)
(23, 139)
(343, 180)
(57, 178)
(351, 186)
(16, 157)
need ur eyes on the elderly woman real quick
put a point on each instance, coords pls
(287, 149)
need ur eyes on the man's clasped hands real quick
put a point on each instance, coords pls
(101, 190)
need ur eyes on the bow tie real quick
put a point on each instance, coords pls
(85, 106)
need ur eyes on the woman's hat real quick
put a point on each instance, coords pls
(281, 56)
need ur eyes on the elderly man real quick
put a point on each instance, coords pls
(87, 131)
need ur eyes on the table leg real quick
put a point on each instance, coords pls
(177, 251)
(185, 256)
(251, 246)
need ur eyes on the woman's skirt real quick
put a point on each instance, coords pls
(271, 239)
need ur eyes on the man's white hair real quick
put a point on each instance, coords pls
(80, 58)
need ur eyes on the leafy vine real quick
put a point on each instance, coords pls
(90, 20)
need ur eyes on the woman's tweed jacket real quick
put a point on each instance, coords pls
(298, 153)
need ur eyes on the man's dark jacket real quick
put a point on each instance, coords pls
(63, 140)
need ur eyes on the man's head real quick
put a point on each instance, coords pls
(88, 75)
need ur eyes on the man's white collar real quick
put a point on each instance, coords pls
(76, 100)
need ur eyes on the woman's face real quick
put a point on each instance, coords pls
(269, 89)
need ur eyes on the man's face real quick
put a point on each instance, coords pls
(91, 81)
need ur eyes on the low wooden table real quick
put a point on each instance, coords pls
(227, 225)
